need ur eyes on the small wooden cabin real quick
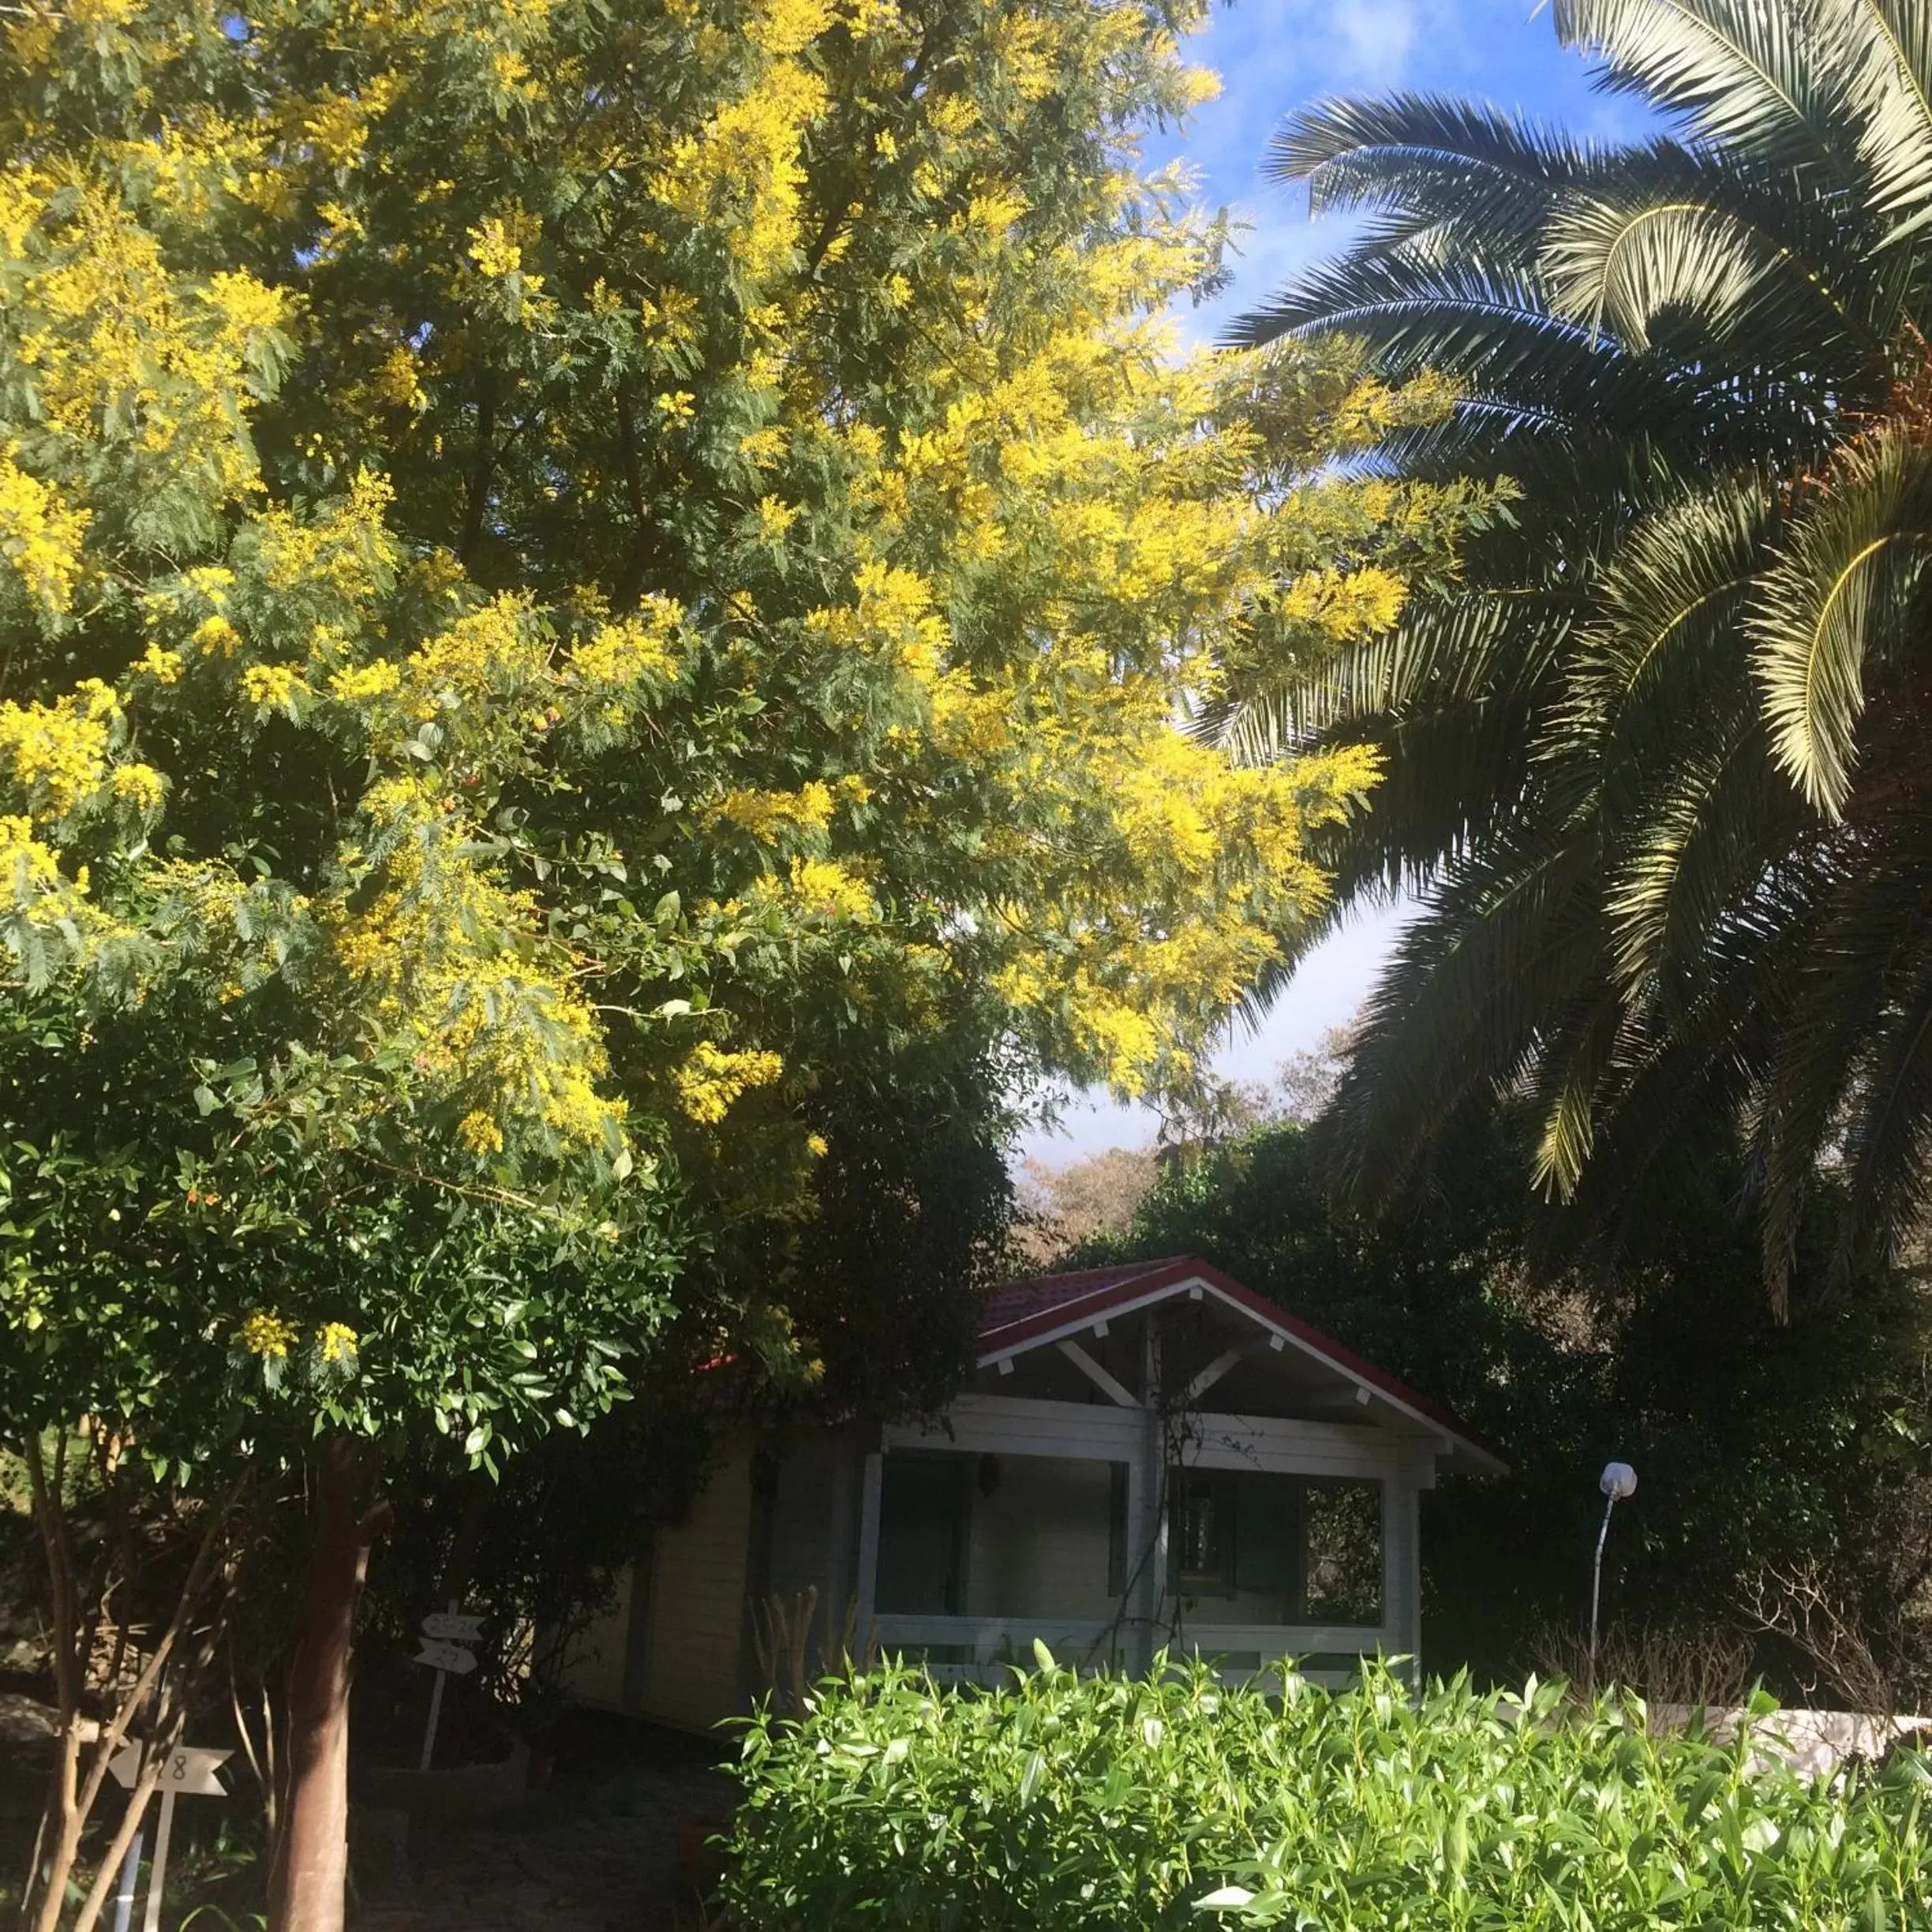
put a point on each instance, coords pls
(1144, 1456)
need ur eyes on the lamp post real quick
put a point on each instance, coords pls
(1617, 1481)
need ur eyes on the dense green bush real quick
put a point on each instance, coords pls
(1066, 1802)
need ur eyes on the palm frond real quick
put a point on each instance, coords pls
(1851, 1050)
(1504, 944)
(1607, 743)
(1697, 248)
(1662, 652)
(1759, 76)
(1891, 84)
(1852, 572)
(1574, 1060)
(1444, 652)
(1527, 151)
(1699, 845)
(1480, 179)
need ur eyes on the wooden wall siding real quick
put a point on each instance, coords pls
(802, 1539)
(1039, 1542)
(692, 1666)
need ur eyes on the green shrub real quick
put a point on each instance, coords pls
(1063, 1803)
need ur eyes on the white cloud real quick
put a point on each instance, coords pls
(1376, 38)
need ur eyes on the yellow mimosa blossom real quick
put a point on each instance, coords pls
(56, 754)
(274, 684)
(765, 815)
(492, 249)
(40, 537)
(265, 1334)
(356, 684)
(336, 1342)
(712, 1078)
(825, 888)
(140, 786)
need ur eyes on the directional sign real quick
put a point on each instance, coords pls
(189, 1772)
(451, 1628)
(444, 1656)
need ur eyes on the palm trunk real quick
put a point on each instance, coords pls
(307, 1890)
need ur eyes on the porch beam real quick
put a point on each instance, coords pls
(1108, 1387)
(1105, 1433)
(1227, 1359)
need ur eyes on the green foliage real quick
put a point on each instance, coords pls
(148, 1234)
(594, 598)
(1761, 1445)
(1106, 1802)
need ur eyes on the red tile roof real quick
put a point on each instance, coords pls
(1021, 1314)
(1044, 1295)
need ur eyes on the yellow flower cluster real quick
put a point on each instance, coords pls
(125, 353)
(493, 250)
(360, 684)
(338, 1343)
(619, 654)
(268, 1335)
(1346, 605)
(29, 870)
(346, 553)
(711, 1079)
(768, 815)
(822, 889)
(139, 786)
(445, 957)
(784, 27)
(40, 537)
(57, 754)
(488, 659)
(741, 172)
(275, 687)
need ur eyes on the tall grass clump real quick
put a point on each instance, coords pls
(1129, 1804)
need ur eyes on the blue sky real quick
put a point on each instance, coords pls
(1272, 56)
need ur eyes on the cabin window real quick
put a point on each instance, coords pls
(1276, 1549)
(1342, 1552)
(1203, 1534)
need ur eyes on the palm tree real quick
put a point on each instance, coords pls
(1660, 762)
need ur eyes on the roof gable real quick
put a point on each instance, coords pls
(1022, 1316)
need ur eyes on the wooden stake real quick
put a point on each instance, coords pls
(157, 1877)
(435, 1703)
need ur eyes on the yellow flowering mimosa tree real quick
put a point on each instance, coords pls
(594, 596)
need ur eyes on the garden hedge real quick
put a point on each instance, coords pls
(1061, 1802)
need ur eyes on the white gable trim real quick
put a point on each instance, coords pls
(1194, 1288)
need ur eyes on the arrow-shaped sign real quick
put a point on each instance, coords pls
(444, 1656)
(189, 1772)
(452, 1628)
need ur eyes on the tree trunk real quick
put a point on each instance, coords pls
(306, 1891)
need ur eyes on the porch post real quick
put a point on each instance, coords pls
(1401, 1556)
(867, 1590)
(1147, 1514)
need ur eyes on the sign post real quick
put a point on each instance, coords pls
(444, 1634)
(130, 1876)
(189, 1772)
